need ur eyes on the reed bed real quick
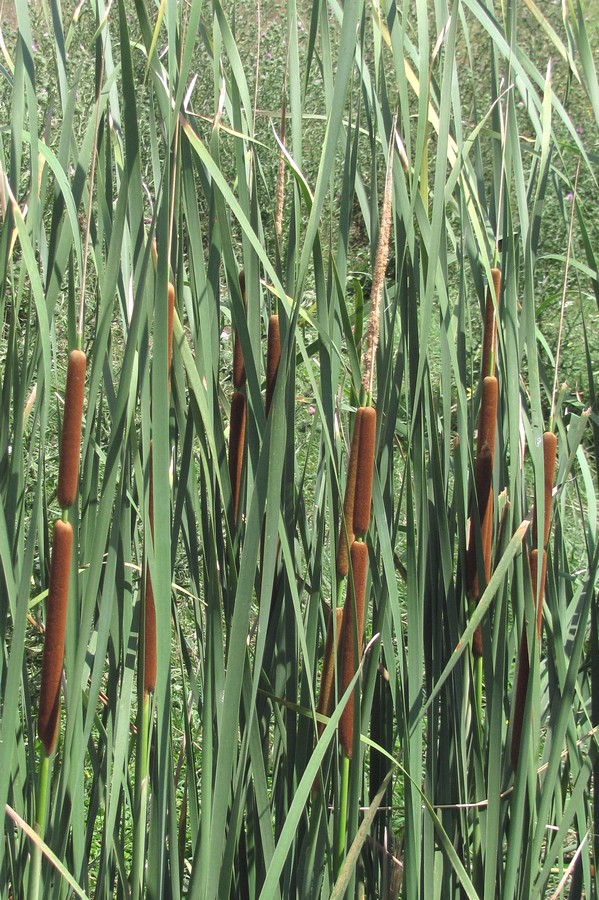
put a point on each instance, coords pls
(281, 550)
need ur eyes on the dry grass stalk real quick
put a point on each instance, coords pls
(350, 641)
(236, 447)
(346, 535)
(70, 445)
(273, 358)
(378, 277)
(364, 472)
(56, 622)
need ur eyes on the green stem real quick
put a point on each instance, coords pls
(478, 695)
(342, 823)
(33, 891)
(141, 799)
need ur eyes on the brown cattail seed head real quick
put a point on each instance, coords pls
(350, 642)
(328, 668)
(236, 447)
(273, 358)
(346, 535)
(490, 329)
(56, 622)
(70, 445)
(487, 420)
(364, 472)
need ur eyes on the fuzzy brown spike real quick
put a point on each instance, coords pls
(328, 668)
(236, 447)
(490, 329)
(238, 363)
(352, 628)
(273, 358)
(70, 445)
(56, 623)
(364, 472)
(487, 419)
(346, 535)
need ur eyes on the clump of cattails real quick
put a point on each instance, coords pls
(62, 549)
(56, 622)
(485, 457)
(538, 590)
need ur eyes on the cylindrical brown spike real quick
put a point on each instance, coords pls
(490, 328)
(549, 461)
(236, 447)
(170, 322)
(487, 420)
(346, 535)
(273, 358)
(56, 622)
(238, 363)
(70, 445)
(352, 627)
(364, 472)
(327, 679)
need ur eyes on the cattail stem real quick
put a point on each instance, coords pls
(43, 784)
(273, 358)
(364, 472)
(236, 447)
(56, 623)
(70, 445)
(346, 535)
(350, 641)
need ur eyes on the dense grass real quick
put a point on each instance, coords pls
(186, 143)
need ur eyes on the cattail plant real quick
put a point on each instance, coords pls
(364, 472)
(70, 445)
(485, 456)
(56, 621)
(149, 657)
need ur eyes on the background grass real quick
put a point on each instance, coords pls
(142, 144)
